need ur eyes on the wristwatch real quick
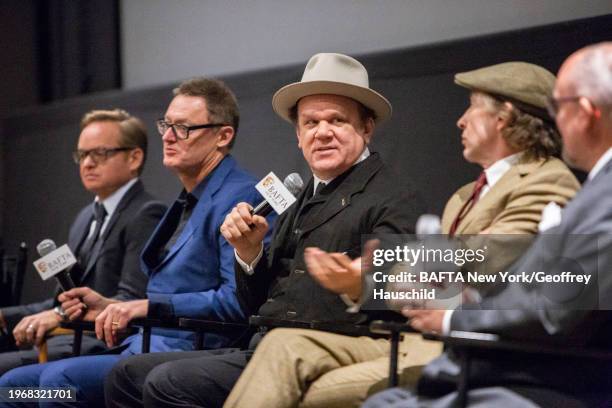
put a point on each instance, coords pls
(60, 312)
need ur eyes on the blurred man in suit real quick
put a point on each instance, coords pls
(189, 263)
(334, 114)
(577, 239)
(107, 235)
(507, 132)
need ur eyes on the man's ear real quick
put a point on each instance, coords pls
(502, 122)
(368, 130)
(589, 108)
(225, 135)
(135, 159)
(297, 134)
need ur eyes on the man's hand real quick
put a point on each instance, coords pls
(83, 303)
(32, 329)
(335, 271)
(425, 320)
(245, 232)
(116, 317)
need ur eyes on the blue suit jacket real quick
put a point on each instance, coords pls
(196, 277)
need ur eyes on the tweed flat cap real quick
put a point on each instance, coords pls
(526, 85)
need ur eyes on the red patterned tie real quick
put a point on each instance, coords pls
(467, 206)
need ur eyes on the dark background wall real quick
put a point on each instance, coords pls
(41, 188)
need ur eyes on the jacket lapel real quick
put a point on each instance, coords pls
(340, 197)
(137, 188)
(486, 209)
(213, 184)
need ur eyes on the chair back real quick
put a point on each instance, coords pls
(12, 272)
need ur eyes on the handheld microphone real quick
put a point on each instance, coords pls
(293, 182)
(45, 247)
(428, 224)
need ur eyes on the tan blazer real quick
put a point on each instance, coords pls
(514, 204)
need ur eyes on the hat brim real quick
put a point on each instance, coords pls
(286, 97)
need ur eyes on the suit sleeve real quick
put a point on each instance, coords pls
(133, 282)
(13, 314)
(539, 311)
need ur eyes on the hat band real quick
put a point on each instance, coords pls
(527, 108)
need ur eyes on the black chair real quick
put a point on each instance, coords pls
(12, 272)
(199, 327)
(466, 344)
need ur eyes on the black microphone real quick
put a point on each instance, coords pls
(294, 184)
(45, 247)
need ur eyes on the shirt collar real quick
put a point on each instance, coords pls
(111, 202)
(364, 155)
(605, 158)
(497, 170)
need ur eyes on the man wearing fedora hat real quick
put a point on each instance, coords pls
(506, 131)
(351, 193)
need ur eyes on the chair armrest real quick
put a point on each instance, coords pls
(210, 325)
(488, 341)
(268, 322)
(388, 327)
(347, 329)
(78, 325)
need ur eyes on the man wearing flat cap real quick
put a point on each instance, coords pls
(506, 131)
(578, 240)
(334, 113)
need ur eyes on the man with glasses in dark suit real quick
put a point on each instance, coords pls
(107, 235)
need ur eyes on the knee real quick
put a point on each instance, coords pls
(11, 379)
(55, 375)
(117, 375)
(161, 380)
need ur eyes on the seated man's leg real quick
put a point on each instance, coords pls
(524, 397)
(349, 386)
(124, 383)
(205, 381)
(26, 376)
(58, 347)
(287, 361)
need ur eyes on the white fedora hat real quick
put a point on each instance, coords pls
(335, 74)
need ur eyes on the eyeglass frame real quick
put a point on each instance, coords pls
(554, 104)
(187, 128)
(79, 156)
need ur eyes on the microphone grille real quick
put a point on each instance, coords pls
(428, 224)
(294, 183)
(45, 247)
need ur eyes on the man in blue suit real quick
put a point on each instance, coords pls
(189, 263)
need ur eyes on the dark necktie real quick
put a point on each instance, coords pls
(320, 187)
(467, 206)
(86, 249)
(188, 202)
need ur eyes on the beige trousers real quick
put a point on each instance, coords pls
(308, 368)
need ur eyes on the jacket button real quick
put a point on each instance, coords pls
(291, 314)
(297, 231)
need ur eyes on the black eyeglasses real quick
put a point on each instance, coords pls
(554, 104)
(98, 155)
(182, 131)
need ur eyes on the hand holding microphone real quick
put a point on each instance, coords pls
(245, 227)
